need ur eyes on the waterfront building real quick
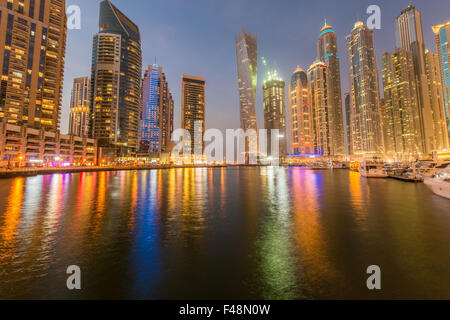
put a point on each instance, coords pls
(409, 36)
(193, 109)
(157, 112)
(437, 98)
(327, 51)
(116, 82)
(318, 79)
(401, 116)
(348, 136)
(79, 107)
(442, 33)
(247, 70)
(367, 135)
(22, 146)
(275, 112)
(32, 51)
(300, 115)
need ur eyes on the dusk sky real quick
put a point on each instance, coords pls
(198, 37)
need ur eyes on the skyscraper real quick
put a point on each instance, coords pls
(348, 130)
(275, 112)
(401, 106)
(300, 115)
(318, 80)
(157, 112)
(327, 51)
(79, 107)
(193, 108)
(367, 135)
(32, 51)
(442, 33)
(409, 36)
(437, 99)
(116, 81)
(247, 69)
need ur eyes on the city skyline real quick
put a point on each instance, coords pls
(222, 97)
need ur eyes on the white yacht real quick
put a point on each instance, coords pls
(373, 170)
(440, 183)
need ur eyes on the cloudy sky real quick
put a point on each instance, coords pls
(197, 37)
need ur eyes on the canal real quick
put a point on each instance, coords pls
(223, 233)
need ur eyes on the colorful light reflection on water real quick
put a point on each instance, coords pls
(272, 233)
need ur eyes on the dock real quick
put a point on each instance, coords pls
(406, 179)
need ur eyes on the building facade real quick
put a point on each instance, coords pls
(442, 33)
(157, 112)
(275, 113)
(366, 131)
(401, 106)
(327, 51)
(437, 98)
(79, 107)
(116, 81)
(247, 70)
(348, 131)
(300, 115)
(193, 109)
(32, 51)
(318, 79)
(22, 146)
(409, 36)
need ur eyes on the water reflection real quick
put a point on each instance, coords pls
(272, 233)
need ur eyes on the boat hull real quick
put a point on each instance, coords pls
(439, 187)
(373, 173)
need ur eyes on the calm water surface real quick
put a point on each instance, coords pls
(247, 233)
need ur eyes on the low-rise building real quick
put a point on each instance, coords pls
(21, 146)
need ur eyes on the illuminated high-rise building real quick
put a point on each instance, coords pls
(367, 134)
(437, 99)
(79, 107)
(32, 51)
(348, 131)
(247, 70)
(318, 81)
(327, 51)
(157, 112)
(442, 33)
(300, 115)
(116, 81)
(275, 112)
(401, 119)
(193, 108)
(409, 36)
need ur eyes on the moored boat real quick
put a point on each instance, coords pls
(440, 183)
(373, 170)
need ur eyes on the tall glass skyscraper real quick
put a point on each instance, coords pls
(442, 33)
(79, 107)
(409, 36)
(327, 51)
(300, 115)
(247, 69)
(275, 112)
(116, 81)
(318, 80)
(401, 106)
(157, 112)
(367, 133)
(193, 110)
(32, 51)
